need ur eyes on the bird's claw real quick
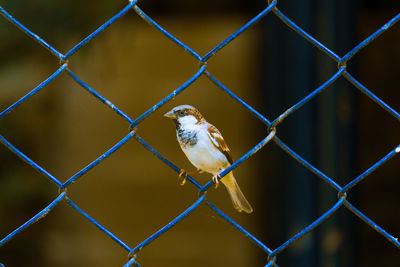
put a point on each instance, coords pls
(215, 180)
(184, 174)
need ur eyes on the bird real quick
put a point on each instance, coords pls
(207, 150)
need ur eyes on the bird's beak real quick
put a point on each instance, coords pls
(170, 115)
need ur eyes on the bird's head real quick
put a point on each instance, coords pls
(184, 115)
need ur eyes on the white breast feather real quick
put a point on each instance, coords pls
(204, 155)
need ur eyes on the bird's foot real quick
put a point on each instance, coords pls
(184, 174)
(215, 180)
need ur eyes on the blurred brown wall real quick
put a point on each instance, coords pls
(132, 193)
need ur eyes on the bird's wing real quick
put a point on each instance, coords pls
(219, 142)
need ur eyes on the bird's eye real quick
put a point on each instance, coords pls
(181, 112)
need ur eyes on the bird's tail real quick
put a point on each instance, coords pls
(240, 203)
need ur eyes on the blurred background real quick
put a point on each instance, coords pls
(133, 194)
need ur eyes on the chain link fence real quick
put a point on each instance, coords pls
(271, 9)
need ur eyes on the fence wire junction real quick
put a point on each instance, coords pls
(271, 134)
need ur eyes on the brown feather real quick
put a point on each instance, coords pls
(222, 146)
(195, 113)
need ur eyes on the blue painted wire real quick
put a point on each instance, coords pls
(98, 160)
(243, 103)
(271, 128)
(170, 96)
(378, 164)
(238, 32)
(98, 225)
(270, 264)
(368, 93)
(30, 34)
(167, 34)
(252, 151)
(307, 164)
(100, 29)
(34, 219)
(100, 97)
(165, 160)
(393, 240)
(131, 262)
(305, 35)
(240, 228)
(168, 226)
(370, 38)
(308, 97)
(307, 229)
(29, 161)
(34, 91)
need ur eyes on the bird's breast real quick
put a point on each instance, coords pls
(201, 152)
(187, 138)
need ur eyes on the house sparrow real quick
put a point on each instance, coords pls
(206, 149)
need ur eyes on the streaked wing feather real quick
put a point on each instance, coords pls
(219, 142)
